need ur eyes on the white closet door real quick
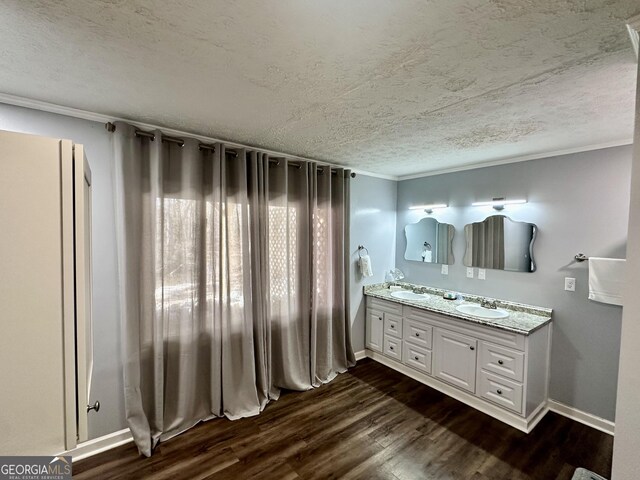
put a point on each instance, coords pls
(32, 354)
(84, 330)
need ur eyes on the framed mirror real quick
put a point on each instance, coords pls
(501, 244)
(429, 241)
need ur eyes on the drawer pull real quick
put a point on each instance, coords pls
(417, 334)
(499, 392)
(416, 358)
(472, 347)
(500, 362)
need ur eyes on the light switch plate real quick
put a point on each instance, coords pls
(469, 272)
(445, 270)
(570, 284)
(482, 274)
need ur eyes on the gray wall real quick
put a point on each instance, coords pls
(373, 224)
(580, 203)
(107, 376)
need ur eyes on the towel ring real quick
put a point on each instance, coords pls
(360, 248)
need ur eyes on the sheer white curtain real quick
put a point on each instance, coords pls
(233, 281)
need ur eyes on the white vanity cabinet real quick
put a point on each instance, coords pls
(497, 371)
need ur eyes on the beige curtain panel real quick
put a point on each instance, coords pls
(233, 280)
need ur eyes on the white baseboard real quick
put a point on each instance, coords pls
(100, 444)
(588, 419)
(360, 355)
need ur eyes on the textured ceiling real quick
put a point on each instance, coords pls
(394, 87)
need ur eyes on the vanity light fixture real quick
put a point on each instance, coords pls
(498, 203)
(429, 208)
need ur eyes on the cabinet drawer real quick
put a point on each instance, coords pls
(416, 357)
(502, 361)
(393, 347)
(500, 391)
(418, 333)
(393, 325)
(481, 332)
(384, 305)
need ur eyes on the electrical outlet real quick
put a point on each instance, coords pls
(445, 270)
(469, 272)
(482, 274)
(570, 284)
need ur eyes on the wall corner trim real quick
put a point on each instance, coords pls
(360, 355)
(585, 418)
(100, 444)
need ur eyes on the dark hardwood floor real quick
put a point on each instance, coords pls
(369, 423)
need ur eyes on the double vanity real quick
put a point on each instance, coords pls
(494, 358)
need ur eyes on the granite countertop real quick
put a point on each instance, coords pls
(522, 319)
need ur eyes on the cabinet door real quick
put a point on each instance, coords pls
(455, 359)
(374, 327)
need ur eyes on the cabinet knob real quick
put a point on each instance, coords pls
(417, 334)
(500, 362)
(472, 347)
(499, 392)
(393, 326)
(390, 348)
(95, 406)
(380, 318)
(416, 358)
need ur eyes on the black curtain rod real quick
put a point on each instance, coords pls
(203, 146)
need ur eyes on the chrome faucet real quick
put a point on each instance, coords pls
(486, 303)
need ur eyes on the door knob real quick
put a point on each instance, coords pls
(95, 406)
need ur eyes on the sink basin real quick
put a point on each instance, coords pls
(407, 295)
(481, 312)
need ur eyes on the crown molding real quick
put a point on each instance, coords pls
(524, 158)
(633, 26)
(103, 118)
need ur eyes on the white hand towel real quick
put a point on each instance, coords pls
(606, 280)
(365, 266)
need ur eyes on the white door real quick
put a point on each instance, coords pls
(455, 359)
(374, 329)
(84, 330)
(33, 297)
